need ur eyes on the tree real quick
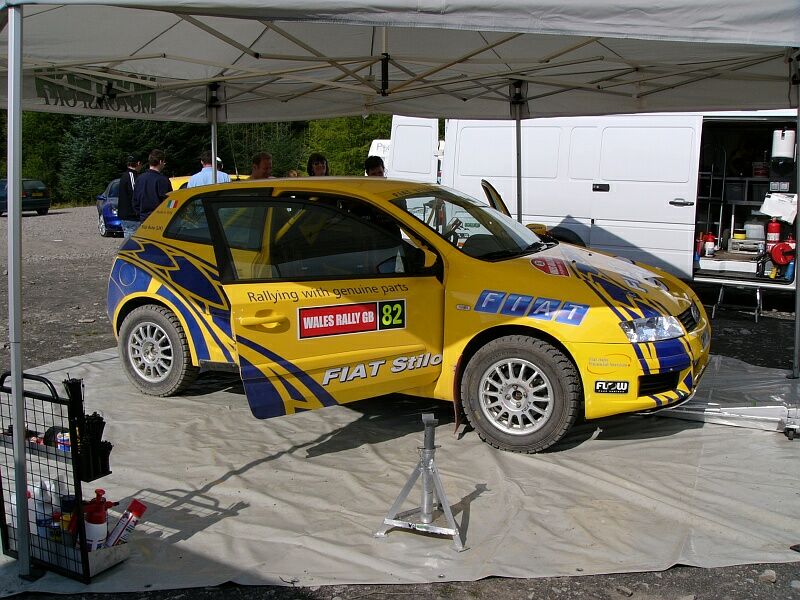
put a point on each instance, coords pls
(345, 141)
(285, 141)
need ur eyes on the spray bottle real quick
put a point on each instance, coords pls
(95, 515)
(126, 523)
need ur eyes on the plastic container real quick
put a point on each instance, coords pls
(754, 230)
(789, 275)
(126, 523)
(42, 500)
(739, 234)
(783, 143)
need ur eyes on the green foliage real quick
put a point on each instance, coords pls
(94, 149)
(285, 141)
(76, 156)
(345, 141)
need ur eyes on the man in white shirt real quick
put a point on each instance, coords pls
(205, 175)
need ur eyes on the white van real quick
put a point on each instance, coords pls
(642, 186)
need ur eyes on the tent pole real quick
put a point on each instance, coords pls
(214, 144)
(796, 360)
(212, 105)
(518, 119)
(14, 281)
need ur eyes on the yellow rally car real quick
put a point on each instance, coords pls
(323, 290)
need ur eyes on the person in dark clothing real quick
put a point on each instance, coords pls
(151, 186)
(127, 181)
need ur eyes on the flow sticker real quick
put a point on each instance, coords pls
(611, 387)
(342, 319)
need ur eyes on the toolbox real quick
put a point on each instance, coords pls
(746, 246)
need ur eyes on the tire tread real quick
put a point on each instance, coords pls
(188, 372)
(570, 380)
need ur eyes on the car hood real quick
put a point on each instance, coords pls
(619, 283)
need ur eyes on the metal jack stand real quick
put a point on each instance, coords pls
(432, 490)
(792, 427)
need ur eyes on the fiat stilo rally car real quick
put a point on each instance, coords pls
(322, 291)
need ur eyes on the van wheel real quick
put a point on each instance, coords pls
(155, 351)
(520, 393)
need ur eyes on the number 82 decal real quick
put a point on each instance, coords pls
(392, 314)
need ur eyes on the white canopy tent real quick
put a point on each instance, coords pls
(288, 61)
(272, 60)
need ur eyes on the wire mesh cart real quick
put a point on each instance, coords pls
(63, 448)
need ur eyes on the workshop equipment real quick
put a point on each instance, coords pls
(431, 490)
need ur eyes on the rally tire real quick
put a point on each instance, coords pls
(520, 393)
(42, 211)
(154, 351)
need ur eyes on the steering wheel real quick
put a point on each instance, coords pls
(450, 233)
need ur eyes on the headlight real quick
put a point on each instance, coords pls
(114, 211)
(652, 329)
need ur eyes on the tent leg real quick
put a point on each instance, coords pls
(518, 119)
(796, 360)
(15, 281)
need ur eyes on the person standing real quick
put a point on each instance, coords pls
(262, 166)
(127, 181)
(317, 165)
(205, 176)
(373, 167)
(151, 186)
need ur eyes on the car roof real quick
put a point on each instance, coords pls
(376, 188)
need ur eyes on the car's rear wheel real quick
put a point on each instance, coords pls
(520, 393)
(42, 211)
(155, 351)
(101, 226)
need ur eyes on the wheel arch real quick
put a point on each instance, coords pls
(134, 302)
(493, 333)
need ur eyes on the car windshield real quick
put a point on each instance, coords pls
(476, 229)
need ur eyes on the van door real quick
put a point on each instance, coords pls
(643, 198)
(414, 149)
(329, 304)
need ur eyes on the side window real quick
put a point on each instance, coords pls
(342, 237)
(190, 224)
(113, 191)
(313, 239)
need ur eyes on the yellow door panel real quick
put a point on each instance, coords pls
(313, 344)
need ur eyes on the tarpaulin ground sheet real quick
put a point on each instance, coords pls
(295, 500)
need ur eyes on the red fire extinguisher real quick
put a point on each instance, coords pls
(709, 241)
(773, 233)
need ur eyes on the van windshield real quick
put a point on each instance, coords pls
(476, 229)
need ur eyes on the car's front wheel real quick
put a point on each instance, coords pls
(42, 211)
(101, 226)
(155, 351)
(520, 393)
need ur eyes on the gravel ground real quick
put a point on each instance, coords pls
(64, 272)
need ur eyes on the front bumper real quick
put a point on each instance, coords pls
(642, 377)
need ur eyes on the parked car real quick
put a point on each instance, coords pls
(35, 196)
(322, 291)
(108, 222)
